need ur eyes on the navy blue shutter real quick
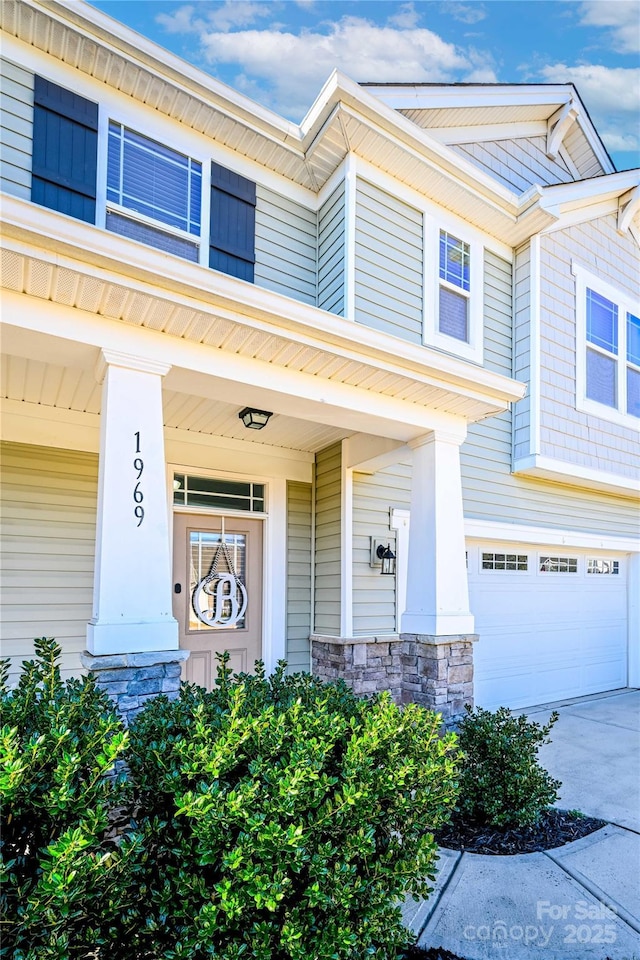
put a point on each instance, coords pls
(65, 151)
(233, 223)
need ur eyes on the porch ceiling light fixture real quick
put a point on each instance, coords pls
(254, 419)
(388, 560)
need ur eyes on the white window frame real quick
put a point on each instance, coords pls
(473, 348)
(195, 239)
(625, 303)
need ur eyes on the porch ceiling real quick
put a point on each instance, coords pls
(73, 387)
(237, 321)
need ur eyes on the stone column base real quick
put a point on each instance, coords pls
(436, 672)
(132, 679)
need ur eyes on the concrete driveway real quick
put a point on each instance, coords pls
(595, 752)
(577, 902)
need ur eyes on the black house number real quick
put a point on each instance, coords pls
(138, 496)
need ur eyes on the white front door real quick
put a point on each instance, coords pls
(218, 592)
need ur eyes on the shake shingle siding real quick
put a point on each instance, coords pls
(517, 164)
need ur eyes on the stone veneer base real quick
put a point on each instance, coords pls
(435, 672)
(132, 679)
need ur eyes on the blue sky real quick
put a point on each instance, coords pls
(280, 53)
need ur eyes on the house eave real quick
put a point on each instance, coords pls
(30, 231)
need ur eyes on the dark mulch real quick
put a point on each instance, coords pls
(433, 953)
(556, 827)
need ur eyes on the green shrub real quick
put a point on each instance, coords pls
(283, 818)
(61, 876)
(501, 781)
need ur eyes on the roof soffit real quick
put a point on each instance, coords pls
(195, 304)
(344, 117)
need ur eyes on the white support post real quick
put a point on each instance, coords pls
(437, 591)
(132, 581)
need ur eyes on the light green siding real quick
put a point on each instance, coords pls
(374, 496)
(286, 246)
(490, 490)
(49, 502)
(331, 252)
(389, 264)
(328, 540)
(16, 129)
(299, 581)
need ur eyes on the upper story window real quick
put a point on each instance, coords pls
(157, 185)
(453, 291)
(455, 287)
(608, 358)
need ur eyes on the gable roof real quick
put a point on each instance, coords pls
(346, 116)
(465, 112)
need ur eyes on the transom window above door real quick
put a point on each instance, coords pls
(218, 494)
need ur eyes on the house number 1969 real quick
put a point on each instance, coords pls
(138, 496)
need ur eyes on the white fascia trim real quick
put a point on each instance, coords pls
(60, 239)
(584, 192)
(115, 36)
(274, 623)
(413, 96)
(576, 475)
(482, 132)
(547, 536)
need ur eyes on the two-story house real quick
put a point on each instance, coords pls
(361, 393)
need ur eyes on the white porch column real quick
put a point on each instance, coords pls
(437, 591)
(132, 582)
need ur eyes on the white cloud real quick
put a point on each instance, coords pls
(621, 17)
(230, 15)
(407, 17)
(610, 94)
(465, 12)
(293, 67)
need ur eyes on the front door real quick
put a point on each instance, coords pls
(217, 598)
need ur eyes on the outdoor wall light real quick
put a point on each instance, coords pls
(254, 419)
(388, 558)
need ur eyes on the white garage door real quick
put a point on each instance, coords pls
(552, 623)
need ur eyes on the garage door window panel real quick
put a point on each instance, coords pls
(505, 561)
(550, 564)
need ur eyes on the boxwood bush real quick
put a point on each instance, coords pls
(277, 818)
(502, 783)
(284, 818)
(62, 877)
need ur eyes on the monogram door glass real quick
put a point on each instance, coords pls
(218, 575)
(217, 598)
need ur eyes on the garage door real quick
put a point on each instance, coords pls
(552, 623)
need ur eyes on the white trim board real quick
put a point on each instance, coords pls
(547, 536)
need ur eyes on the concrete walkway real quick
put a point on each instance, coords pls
(577, 902)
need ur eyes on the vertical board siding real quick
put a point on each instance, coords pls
(389, 264)
(286, 246)
(328, 541)
(490, 490)
(521, 351)
(16, 129)
(299, 581)
(566, 433)
(517, 164)
(331, 252)
(374, 596)
(49, 502)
